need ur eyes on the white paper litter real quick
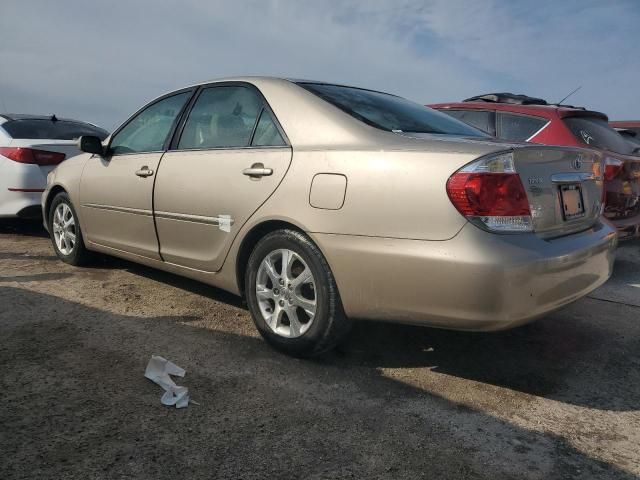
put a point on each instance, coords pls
(158, 371)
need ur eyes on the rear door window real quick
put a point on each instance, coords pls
(222, 117)
(519, 128)
(267, 134)
(597, 133)
(482, 119)
(45, 129)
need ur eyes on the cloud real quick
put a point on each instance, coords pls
(100, 61)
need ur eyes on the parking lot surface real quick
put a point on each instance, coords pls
(559, 398)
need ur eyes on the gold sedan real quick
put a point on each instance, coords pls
(322, 202)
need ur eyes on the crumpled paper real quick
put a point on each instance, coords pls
(158, 371)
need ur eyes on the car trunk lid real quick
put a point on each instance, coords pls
(68, 147)
(563, 186)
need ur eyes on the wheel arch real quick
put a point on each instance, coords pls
(251, 239)
(55, 190)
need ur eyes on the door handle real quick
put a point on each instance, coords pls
(257, 170)
(144, 172)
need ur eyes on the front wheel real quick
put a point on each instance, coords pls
(292, 295)
(65, 232)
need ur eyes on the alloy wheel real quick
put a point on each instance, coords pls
(286, 293)
(64, 229)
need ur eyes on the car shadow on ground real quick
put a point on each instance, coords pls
(176, 281)
(78, 372)
(563, 357)
(23, 227)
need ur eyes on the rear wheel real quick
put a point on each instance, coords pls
(292, 295)
(65, 232)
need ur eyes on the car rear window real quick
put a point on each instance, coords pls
(41, 129)
(631, 137)
(481, 119)
(597, 133)
(389, 112)
(518, 128)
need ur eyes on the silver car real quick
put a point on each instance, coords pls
(321, 202)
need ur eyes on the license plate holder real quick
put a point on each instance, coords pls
(572, 202)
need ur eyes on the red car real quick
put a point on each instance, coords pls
(526, 119)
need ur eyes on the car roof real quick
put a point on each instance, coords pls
(546, 111)
(28, 116)
(332, 126)
(257, 79)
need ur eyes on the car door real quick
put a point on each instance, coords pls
(229, 157)
(116, 191)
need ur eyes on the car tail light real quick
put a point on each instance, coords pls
(612, 167)
(490, 194)
(32, 155)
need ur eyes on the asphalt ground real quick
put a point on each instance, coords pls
(559, 398)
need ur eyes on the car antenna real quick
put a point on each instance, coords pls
(572, 92)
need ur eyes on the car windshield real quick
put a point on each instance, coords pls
(597, 133)
(41, 129)
(389, 112)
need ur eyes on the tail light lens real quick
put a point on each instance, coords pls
(612, 167)
(490, 194)
(32, 155)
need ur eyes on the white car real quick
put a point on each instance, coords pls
(30, 147)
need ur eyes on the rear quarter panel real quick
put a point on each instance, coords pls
(388, 194)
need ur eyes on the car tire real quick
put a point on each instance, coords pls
(65, 232)
(275, 295)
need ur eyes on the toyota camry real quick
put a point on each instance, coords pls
(321, 203)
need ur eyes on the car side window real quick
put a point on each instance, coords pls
(518, 127)
(148, 131)
(267, 134)
(222, 117)
(480, 119)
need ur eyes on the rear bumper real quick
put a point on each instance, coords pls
(20, 204)
(21, 186)
(475, 281)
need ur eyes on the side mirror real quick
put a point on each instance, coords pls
(91, 144)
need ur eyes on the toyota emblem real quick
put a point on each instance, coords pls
(577, 162)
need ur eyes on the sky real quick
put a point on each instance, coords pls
(99, 61)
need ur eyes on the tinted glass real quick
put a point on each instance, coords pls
(46, 129)
(631, 137)
(389, 112)
(475, 118)
(267, 134)
(597, 133)
(148, 131)
(222, 117)
(518, 127)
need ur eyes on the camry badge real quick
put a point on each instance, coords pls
(534, 180)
